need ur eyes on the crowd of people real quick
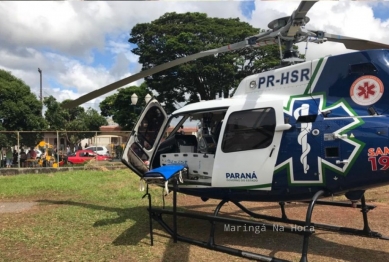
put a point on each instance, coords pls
(30, 157)
(12, 158)
(26, 158)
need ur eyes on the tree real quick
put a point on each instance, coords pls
(119, 106)
(20, 110)
(178, 35)
(74, 119)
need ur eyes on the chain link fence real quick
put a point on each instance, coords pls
(39, 149)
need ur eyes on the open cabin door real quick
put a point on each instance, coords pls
(144, 137)
(248, 145)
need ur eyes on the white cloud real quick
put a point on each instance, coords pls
(353, 19)
(75, 27)
(59, 37)
(121, 65)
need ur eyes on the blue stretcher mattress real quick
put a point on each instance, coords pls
(166, 172)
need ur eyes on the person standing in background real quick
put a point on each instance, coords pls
(15, 157)
(8, 157)
(23, 158)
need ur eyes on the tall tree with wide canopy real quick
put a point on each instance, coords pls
(20, 110)
(178, 35)
(75, 119)
(119, 105)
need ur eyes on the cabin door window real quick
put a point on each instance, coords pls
(249, 144)
(144, 138)
(249, 130)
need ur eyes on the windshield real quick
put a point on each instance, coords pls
(199, 124)
(195, 132)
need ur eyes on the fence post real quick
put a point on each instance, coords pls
(97, 162)
(57, 150)
(17, 134)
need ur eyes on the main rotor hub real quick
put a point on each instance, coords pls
(280, 22)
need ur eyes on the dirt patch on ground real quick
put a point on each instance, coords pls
(115, 240)
(16, 207)
(323, 245)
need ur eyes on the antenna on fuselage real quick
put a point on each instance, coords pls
(306, 50)
(279, 44)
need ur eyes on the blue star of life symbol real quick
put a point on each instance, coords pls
(305, 165)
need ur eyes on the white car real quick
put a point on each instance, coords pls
(101, 150)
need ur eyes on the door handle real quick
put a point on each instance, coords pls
(271, 152)
(283, 127)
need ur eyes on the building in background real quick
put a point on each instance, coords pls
(109, 136)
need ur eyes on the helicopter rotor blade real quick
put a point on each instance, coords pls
(355, 43)
(303, 9)
(350, 42)
(298, 18)
(253, 41)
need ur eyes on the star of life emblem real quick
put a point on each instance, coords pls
(301, 170)
(366, 90)
(302, 137)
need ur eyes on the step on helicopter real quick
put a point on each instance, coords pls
(301, 132)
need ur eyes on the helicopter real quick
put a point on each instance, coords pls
(301, 132)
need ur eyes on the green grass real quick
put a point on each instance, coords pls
(89, 185)
(83, 216)
(93, 215)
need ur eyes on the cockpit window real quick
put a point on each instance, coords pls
(248, 130)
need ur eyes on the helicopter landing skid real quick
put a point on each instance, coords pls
(365, 232)
(156, 214)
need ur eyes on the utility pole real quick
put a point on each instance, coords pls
(41, 96)
(40, 73)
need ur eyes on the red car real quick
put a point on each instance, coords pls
(82, 156)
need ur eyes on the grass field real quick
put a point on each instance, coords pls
(101, 216)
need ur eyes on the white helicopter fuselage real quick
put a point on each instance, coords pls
(292, 129)
(254, 168)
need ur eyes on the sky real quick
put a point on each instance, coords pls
(81, 46)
